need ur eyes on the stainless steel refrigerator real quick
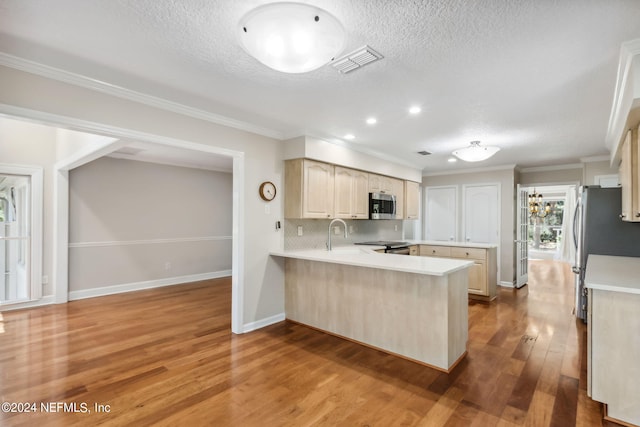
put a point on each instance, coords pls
(598, 230)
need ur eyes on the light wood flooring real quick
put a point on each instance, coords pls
(167, 357)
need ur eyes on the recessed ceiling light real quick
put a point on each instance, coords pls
(452, 160)
(349, 136)
(372, 121)
(415, 109)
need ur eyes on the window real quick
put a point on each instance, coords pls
(545, 234)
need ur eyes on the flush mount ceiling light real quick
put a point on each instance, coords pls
(350, 136)
(291, 37)
(475, 153)
(372, 121)
(415, 110)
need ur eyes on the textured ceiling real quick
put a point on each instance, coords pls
(534, 77)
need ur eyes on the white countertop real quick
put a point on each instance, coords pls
(452, 243)
(367, 257)
(613, 273)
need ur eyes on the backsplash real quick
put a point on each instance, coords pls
(314, 232)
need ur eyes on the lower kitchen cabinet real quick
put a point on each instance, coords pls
(482, 274)
(613, 331)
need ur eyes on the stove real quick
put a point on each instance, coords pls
(400, 248)
(388, 244)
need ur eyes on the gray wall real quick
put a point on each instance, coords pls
(506, 178)
(133, 222)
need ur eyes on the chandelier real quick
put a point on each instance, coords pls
(536, 206)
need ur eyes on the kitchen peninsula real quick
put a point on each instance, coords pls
(413, 307)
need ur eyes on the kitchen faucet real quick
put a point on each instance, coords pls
(329, 234)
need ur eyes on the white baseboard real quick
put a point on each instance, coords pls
(248, 327)
(46, 300)
(506, 284)
(148, 284)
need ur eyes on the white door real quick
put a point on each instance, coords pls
(20, 234)
(481, 213)
(441, 213)
(522, 235)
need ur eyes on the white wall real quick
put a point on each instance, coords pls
(263, 276)
(133, 222)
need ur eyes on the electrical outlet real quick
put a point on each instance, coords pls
(45, 280)
(336, 229)
(351, 229)
(395, 227)
(167, 265)
(299, 230)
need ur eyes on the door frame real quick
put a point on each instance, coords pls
(61, 198)
(36, 196)
(498, 186)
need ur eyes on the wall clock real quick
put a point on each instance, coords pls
(267, 191)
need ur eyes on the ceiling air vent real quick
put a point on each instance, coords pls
(424, 153)
(356, 59)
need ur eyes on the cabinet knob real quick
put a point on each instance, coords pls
(467, 253)
(433, 251)
(622, 216)
(637, 214)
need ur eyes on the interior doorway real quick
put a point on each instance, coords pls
(20, 234)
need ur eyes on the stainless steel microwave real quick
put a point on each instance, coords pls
(382, 206)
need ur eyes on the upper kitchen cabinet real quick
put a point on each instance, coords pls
(397, 189)
(380, 184)
(351, 193)
(411, 200)
(629, 177)
(309, 189)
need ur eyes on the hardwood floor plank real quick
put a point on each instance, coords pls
(167, 357)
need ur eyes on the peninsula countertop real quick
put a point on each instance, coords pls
(367, 257)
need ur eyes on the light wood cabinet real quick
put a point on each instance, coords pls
(315, 189)
(380, 184)
(351, 193)
(411, 200)
(483, 274)
(397, 189)
(613, 352)
(630, 177)
(414, 250)
(309, 189)
(613, 328)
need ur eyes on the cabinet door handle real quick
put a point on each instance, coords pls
(622, 216)
(637, 214)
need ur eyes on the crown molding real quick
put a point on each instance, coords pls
(552, 168)
(473, 170)
(64, 76)
(591, 159)
(623, 96)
